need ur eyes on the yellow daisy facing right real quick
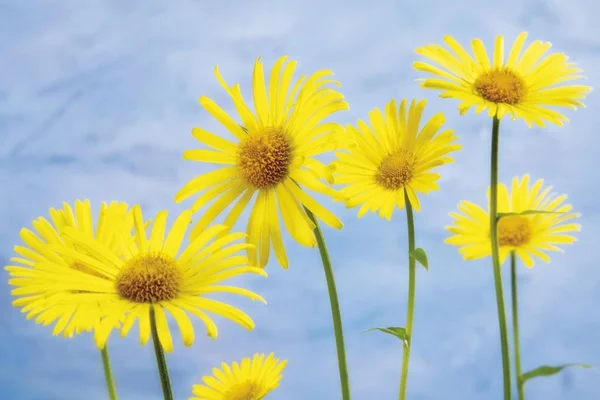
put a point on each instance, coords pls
(251, 379)
(393, 159)
(528, 235)
(524, 85)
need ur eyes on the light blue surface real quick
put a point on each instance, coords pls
(97, 100)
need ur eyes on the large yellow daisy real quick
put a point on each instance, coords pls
(272, 157)
(251, 379)
(528, 234)
(524, 85)
(152, 273)
(393, 157)
(29, 271)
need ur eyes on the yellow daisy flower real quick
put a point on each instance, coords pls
(50, 302)
(248, 380)
(528, 234)
(391, 158)
(273, 157)
(152, 274)
(524, 85)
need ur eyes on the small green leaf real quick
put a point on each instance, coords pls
(397, 331)
(527, 212)
(547, 370)
(420, 255)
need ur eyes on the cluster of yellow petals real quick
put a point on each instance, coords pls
(86, 276)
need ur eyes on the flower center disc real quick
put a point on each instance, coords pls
(513, 230)
(501, 86)
(395, 171)
(243, 391)
(149, 278)
(264, 158)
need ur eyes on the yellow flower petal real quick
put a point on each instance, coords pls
(523, 86)
(250, 378)
(276, 144)
(391, 158)
(524, 234)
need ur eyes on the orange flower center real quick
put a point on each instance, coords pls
(501, 86)
(149, 278)
(514, 231)
(396, 170)
(264, 158)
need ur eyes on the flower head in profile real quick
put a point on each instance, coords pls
(143, 273)
(392, 160)
(251, 379)
(33, 271)
(271, 159)
(536, 222)
(525, 85)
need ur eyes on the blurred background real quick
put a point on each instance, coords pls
(98, 98)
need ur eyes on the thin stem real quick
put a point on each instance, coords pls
(108, 375)
(515, 314)
(335, 308)
(412, 267)
(161, 361)
(496, 259)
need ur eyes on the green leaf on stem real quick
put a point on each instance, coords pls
(527, 212)
(547, 370)
(421, 257)
(397, 331)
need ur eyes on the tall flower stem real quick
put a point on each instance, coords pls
(515, 315)
(496, 259)
(161, 361)
(412, 267)
(335, 308)
(108, 375)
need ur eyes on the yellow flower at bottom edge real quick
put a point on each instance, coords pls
(524, 85)
(528, 235)
(271, 159)
(150, 272)
(391, 158)
(29, 271)
(248, 380)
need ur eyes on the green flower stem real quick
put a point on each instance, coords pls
(161, 361)
(515, 314)
(335, 308)
(496, 259)
(108, 375)
(412, 272)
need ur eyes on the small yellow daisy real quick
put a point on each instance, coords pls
(524, 85)
(393, 158)
(147, 273)
(248, 380)
(272, 159)
(29, 271)
(528, 234)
